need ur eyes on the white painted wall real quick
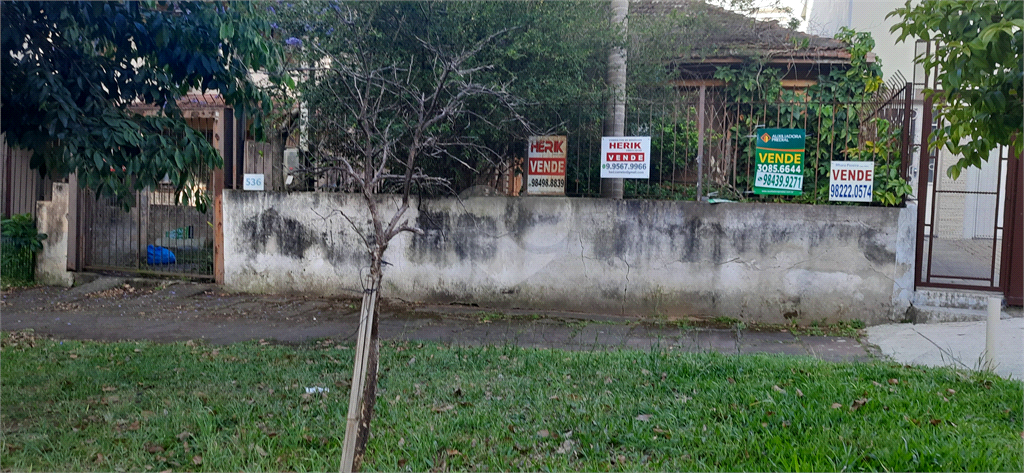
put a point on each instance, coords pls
(827, 16)
(756, 262)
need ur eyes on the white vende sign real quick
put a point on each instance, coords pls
(851, 181)
(627, 157)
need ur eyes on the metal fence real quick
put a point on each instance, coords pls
(20, 185)
(710, 144)
(700, 143)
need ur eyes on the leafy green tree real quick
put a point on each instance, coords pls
(977, 56)
(552, 59)
(73, 71)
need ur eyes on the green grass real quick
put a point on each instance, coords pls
(87, 406)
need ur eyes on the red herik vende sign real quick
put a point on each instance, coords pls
(545, 165)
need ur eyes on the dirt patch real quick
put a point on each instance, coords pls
(124, 291)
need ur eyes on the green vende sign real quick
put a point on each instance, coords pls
(779, 169)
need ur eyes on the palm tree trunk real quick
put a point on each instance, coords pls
(615, 118)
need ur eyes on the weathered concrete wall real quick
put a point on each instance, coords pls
(756, 262)
(52, 219)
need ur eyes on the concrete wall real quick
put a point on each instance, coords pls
(52, 219)
(756, 262)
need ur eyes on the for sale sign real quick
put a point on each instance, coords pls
(545, 165)
(627, 157)
(851, 181)
(779, 166)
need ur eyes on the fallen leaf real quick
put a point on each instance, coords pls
(644, 372)
(543, 433)
(621, 458)
(445, 408)
(643, 417)
(184, 435)
(951, 391)
(259, 450)
(663, 432)
(731, 381)
(99, 458)
(799, 393)
(764, 424)
(877, 384)
(73, 356)
(452, 452)
(565, 448)
(197, 460)
(894, 381)
(778, 389)
(402, 462)
(152, 448)
(836, 405)
(108, 389)
(553, 397)
(134, 426)
(858, 403)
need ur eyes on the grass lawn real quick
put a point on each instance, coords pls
(87, 406)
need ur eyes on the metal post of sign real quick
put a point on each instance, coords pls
(700, 145)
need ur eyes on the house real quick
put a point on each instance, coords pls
(718, 37)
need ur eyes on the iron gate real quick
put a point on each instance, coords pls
(157, 236)
(961, 223)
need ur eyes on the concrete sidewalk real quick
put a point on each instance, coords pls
(165, 311)
(959, 344)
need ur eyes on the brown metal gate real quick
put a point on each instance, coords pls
(157, 236)
(965, 226)
(1013, 243)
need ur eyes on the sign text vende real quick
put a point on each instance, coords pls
(547, 166)
(617, 157)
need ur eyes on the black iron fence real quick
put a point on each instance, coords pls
(701, 147)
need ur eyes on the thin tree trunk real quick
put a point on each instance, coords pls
(615, 120)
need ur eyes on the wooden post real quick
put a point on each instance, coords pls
(355, 400)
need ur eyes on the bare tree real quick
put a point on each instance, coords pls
(390, 112)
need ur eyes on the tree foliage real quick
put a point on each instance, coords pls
(552, 59)
(977, 56)
(72, 73)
